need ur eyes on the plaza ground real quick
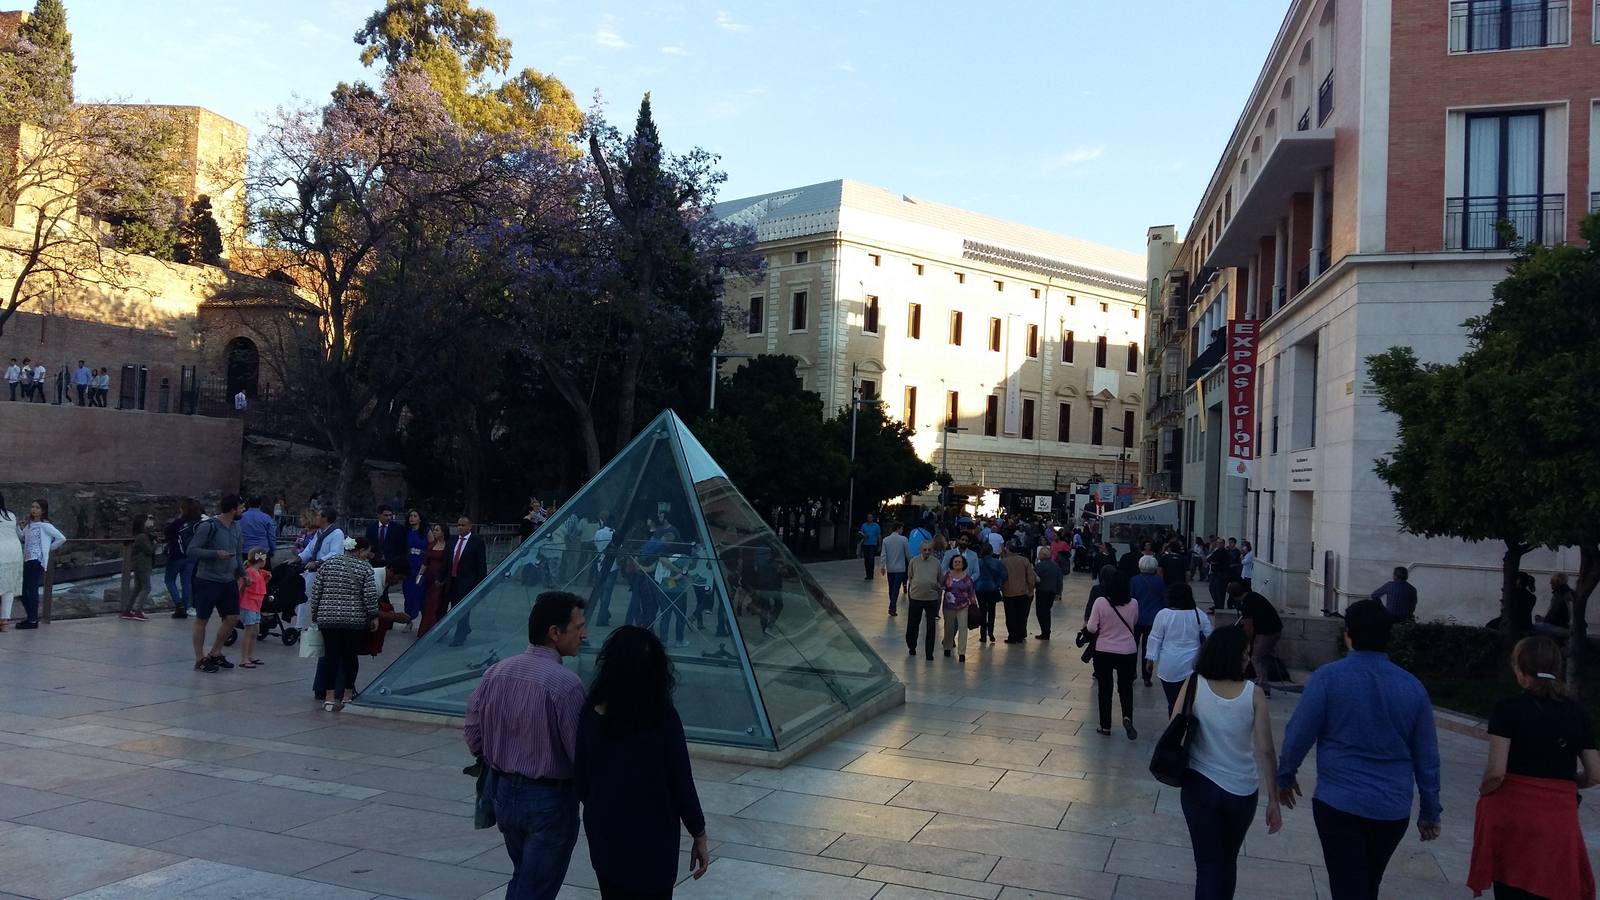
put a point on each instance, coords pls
(125, 774)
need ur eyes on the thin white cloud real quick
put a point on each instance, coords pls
(1077, 156)
(674, 50)
(726, 22)
(846, 66)
(606, 35)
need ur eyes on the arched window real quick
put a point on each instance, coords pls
(244, 367)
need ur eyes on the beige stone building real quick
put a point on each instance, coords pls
(1028, 342)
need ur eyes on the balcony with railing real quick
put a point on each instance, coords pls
(1594, 198)
(1325, 100)
(1304, 124)
(1480, 25)
(1475, 223)
(1291, 168)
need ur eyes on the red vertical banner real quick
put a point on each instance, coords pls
(1240, 404)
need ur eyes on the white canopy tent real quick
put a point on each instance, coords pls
(1136, 523)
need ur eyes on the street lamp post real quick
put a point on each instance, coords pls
(716, 362)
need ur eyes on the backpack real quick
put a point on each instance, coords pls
(180, 533)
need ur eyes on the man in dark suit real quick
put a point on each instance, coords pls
(387, 539)
(468, 564)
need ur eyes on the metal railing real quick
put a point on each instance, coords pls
(1473, 223)
(1594, 198)
(1305, 121)
(1325, 100)
(1476, 25)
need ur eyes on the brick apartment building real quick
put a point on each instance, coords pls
(1354, 209)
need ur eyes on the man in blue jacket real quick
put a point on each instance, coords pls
(1373, 726)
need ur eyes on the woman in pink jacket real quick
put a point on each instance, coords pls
(1112, 620)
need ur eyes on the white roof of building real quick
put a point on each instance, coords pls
(845, 205)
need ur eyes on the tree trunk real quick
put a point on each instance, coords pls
(1578, 635)
(1510, 565)
(350, 469)
(628, 390)
(580, 407)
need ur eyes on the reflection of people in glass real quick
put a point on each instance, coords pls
(606, 568)
(672, 577)
(633, 772)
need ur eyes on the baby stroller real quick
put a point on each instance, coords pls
(285, 591)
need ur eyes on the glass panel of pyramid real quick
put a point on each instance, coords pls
(762, 655)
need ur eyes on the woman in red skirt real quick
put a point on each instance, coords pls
(1526, 842)
(431, 574)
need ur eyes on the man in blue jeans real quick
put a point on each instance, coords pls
(1373, 727)
(522, 720)
(870, 532)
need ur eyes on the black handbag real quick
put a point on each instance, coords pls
(1171, 757)
(1086, 639)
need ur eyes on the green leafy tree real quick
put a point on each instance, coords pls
(46, 30)
(460, 49)
(886, 465)
(199, 240)
(768, 433)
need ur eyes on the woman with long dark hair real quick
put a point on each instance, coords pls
(1113, 620)
(10, 561)
(1231, 761)
(1527, 841)
(415, 588)
(633, 772)
(1175, 640)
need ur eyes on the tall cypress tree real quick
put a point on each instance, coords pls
(46, 29)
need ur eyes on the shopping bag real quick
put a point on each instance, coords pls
(311, 643)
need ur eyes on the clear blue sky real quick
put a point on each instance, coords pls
(1094, 119)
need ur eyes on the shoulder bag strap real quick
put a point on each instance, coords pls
(1188, 699)
(1119, 615)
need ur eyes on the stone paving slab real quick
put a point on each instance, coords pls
(157, 781)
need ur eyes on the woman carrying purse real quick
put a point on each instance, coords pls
(1112, 620)
(959, 596)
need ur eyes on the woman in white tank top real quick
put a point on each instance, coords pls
(1232, 761)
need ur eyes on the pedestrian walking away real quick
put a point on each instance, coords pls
(922, 596)
(1049, 577)
(218, 580)
(522, 721)
(1112, 621)
(988, 577)
(1016, 592)
(633, 773)
(1175, 640)
(1150, 590)
(1372, 725)
(870, 532)
(896, 553)
(39, 539)
(1231, 761)
(1527, 841)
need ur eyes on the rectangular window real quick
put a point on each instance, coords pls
(757, 321)
(1097, 426)
(1105, 307)
(917, 267)
(869, 318)
(999, 285)
(1136, 312)
(1133, 357)
(1064, 423)
(1072, 301)
(802, 256)
(1127, 429)
(876, 259)
(910, 414)
(1272, 524)
(1035, 293)
(961, 278)
(1033, 342)
(797, 311)
(869, 391)
(1100, 351)
(1507, 24)
(994, 334)
(955, 327)
(952, 410)
(1067, 348)
(1503, 180)
(914, 321)
(1027, 419)
(991, 416)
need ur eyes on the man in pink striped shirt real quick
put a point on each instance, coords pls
(523, 720)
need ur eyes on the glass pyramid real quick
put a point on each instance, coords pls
(762, 655)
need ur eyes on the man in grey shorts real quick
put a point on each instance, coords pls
(218, 572)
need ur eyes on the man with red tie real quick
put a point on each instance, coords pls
(469, 564)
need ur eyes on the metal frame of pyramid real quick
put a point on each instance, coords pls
(765, 661)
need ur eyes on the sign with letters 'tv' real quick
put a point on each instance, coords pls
(1240, 403)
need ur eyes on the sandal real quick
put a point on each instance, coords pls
(330, 705)
(257, 662)
(247, 664)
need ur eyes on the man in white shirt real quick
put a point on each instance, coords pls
(13, 375)
(38, 383)
(896, 554)
(328, 542)
(80, 380)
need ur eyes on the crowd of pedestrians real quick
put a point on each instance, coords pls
(27, 381)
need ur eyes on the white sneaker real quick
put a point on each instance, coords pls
(681, 643)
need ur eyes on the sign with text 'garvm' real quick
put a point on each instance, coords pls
(1241, 400)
